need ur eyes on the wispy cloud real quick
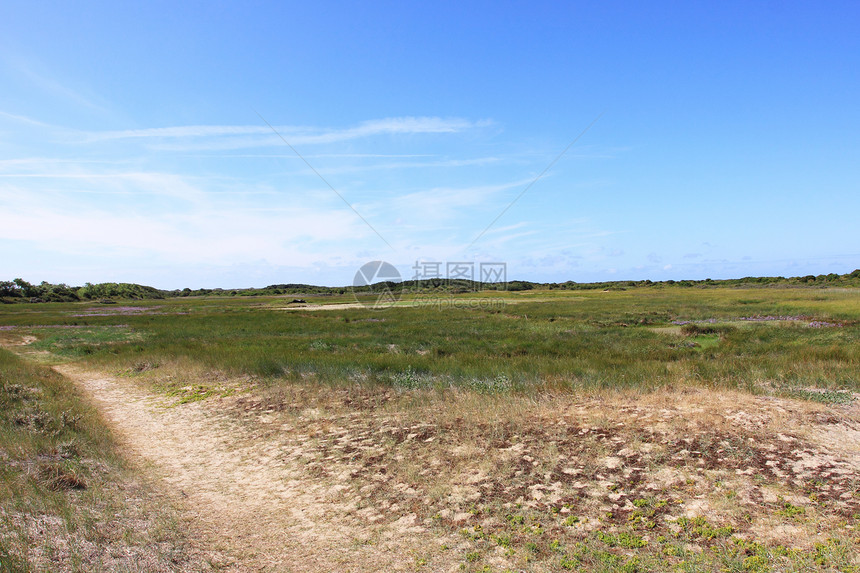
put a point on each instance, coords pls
(224, 137)
(40, 76)
(472, 162)
(23, 166)
(367, 162)
(179, 132)
(76, 179)
(25, 120)
(439, 207)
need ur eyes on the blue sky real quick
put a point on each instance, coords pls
(134, 143)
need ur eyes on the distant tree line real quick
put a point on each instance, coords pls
(19, 290)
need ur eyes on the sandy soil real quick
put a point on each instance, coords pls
(246, 502)
(295, 478)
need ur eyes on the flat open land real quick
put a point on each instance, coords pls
(648, 429)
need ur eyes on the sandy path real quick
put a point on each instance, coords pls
(242, 499)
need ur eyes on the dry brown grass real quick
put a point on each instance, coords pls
(782, 473)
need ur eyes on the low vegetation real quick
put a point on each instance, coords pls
(792, 342)
(639, 428)
(68, 501)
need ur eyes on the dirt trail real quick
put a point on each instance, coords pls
(249, 505)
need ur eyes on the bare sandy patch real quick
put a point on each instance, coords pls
(249, 498)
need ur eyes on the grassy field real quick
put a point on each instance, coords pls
(778, 339)
(647, 429)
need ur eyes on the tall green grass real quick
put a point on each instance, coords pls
(563, 340)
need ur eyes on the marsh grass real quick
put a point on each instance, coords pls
(465, 345)
(536, 340)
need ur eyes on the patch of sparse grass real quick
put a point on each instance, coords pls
(700, 528)
(321, 346)
(791, 511)
(823, 396)
(82, 341)
(622, 539)
(409, 380)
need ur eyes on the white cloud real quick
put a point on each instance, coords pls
(24, 119)
(89, 182)
(180, 131)
(392, 165)
(295, 236)
(448, 200)
(224, 137)
(39, 75)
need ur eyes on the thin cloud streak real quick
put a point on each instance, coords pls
(296, 134)
(412, 165)
(25, 119)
